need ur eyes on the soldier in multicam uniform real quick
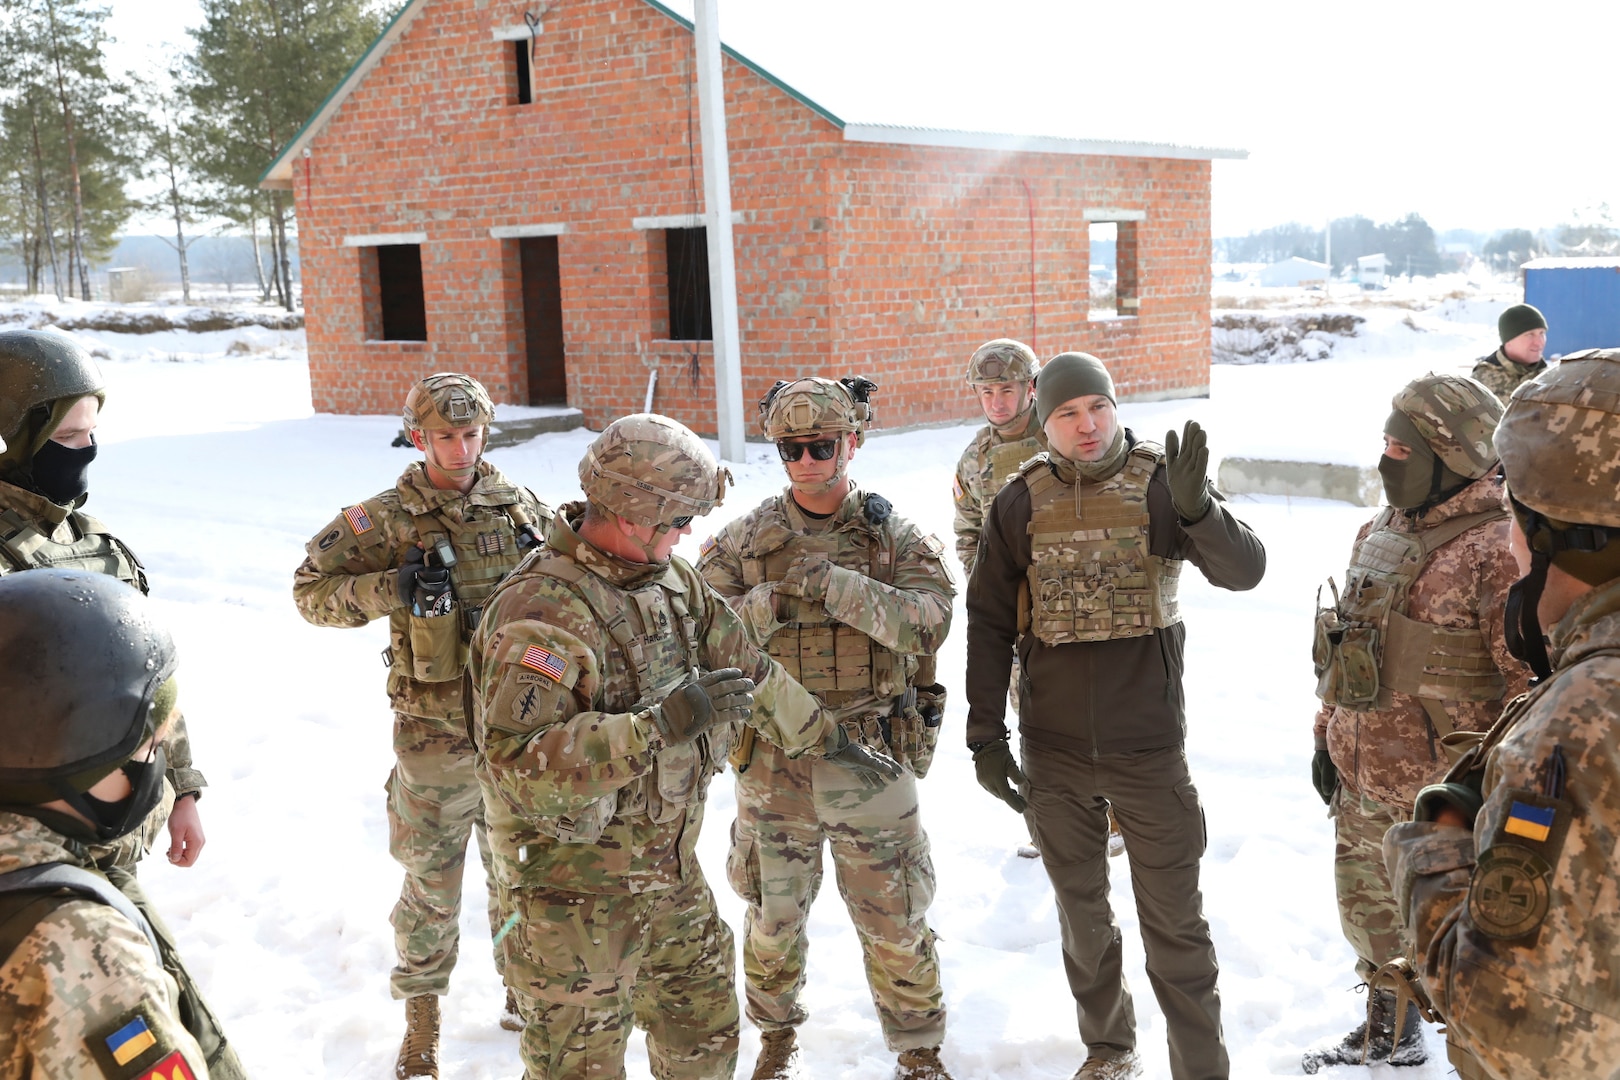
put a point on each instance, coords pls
(1411, 650)
(51, 393)
(1001, 374)
(848, 596)
(1505, 879)
(1523, 330)
(1078, 565)
(610, 683)
(425, 554)
(90, 689)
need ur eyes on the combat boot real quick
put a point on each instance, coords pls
(419, 1052)
(511, 1019)
(1119, 1065)
(921, 1064)
(778, 1055)
(1373, 1040)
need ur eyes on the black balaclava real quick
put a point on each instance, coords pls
(1584, 553)
(114, 819)
(1421, 480)
(61, 473)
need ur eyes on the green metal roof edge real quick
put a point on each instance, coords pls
(340, 88)
(803, 99)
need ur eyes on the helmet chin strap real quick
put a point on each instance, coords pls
(1019, 421)
(1521, 629)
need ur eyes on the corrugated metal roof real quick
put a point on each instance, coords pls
(1575, 263)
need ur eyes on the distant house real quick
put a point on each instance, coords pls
(1372, 270)
(525, 206)
(1294, 272)
(1580, 298)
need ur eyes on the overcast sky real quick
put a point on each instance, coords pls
(1478, 115)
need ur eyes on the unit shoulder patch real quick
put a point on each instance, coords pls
(1510, 891)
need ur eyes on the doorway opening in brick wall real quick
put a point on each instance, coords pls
(686, 253)
(541, 281)
(395, 308)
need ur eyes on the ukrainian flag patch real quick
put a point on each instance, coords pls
(1530, 822)
(131, 1041)
(358, 519)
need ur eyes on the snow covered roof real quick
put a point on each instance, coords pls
(888, 118)
(1570, 263)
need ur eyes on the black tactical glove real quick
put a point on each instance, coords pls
(870, 765)
(415, 562)
(716, 697)
(1186, 467)
(1000, 775)
(1324, 775)
(424, 589)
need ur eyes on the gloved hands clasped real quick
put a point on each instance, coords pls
(715, 697)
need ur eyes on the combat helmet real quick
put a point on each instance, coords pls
(85, 662)
(42, 375)
(816, 406)
(1560, 445)
(448, 399)
(1002, 360)
(1455, 416)
(652, 471)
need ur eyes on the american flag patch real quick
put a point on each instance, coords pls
(358, 519)
(546, 663)
(956, 488)
(707, 545)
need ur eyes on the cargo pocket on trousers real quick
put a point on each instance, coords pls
(742, 866)
(917, 875)
(1187, 792)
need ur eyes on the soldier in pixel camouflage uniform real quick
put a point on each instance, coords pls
(1523, 330)
(610, 683)
(51, 394)
(425, 554)
(849, 596)
(83, 987)
(1505, 879)
(1411, 650)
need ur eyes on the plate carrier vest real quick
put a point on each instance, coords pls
(24, 547)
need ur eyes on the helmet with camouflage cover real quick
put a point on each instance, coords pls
(87, 669)
(42, 375)
(448, 399)
(1560, 445)
(1455, 417)
(816, 406)
(1002, 360)
(651, 471)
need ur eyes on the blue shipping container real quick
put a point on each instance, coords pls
(1581, 300)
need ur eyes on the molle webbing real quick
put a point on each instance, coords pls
(24, 547)
(1091, 574)
(1004, 459)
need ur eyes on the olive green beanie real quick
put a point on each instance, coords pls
(1519, 319)
(1067, 376)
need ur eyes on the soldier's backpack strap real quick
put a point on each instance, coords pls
(1447, 531)
(33, 892)
(12, 526)
(615, 620)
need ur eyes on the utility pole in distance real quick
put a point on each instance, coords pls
(717, 219)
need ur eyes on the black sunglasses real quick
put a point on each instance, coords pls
(820, 450)
(681, 522)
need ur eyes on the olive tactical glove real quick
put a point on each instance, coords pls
(1000, 775)
(870, 765)
(715, 697)
(1324, 775)
(1186, 467)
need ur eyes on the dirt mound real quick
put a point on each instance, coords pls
(1245, 338)
(196, 320)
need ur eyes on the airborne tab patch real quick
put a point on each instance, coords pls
(358, 520)
(545, 662)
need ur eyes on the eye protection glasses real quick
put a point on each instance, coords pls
(820, 450)
(681, 522)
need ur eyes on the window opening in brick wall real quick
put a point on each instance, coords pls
(1114, 290)
(686, 254)
(525, 87)
(391, 290)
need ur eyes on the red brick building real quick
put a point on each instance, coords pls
(523, 205)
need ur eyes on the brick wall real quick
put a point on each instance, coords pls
(890, 261)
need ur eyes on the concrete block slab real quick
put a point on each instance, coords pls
(1358, 485)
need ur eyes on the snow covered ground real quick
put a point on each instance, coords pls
(215, 470)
